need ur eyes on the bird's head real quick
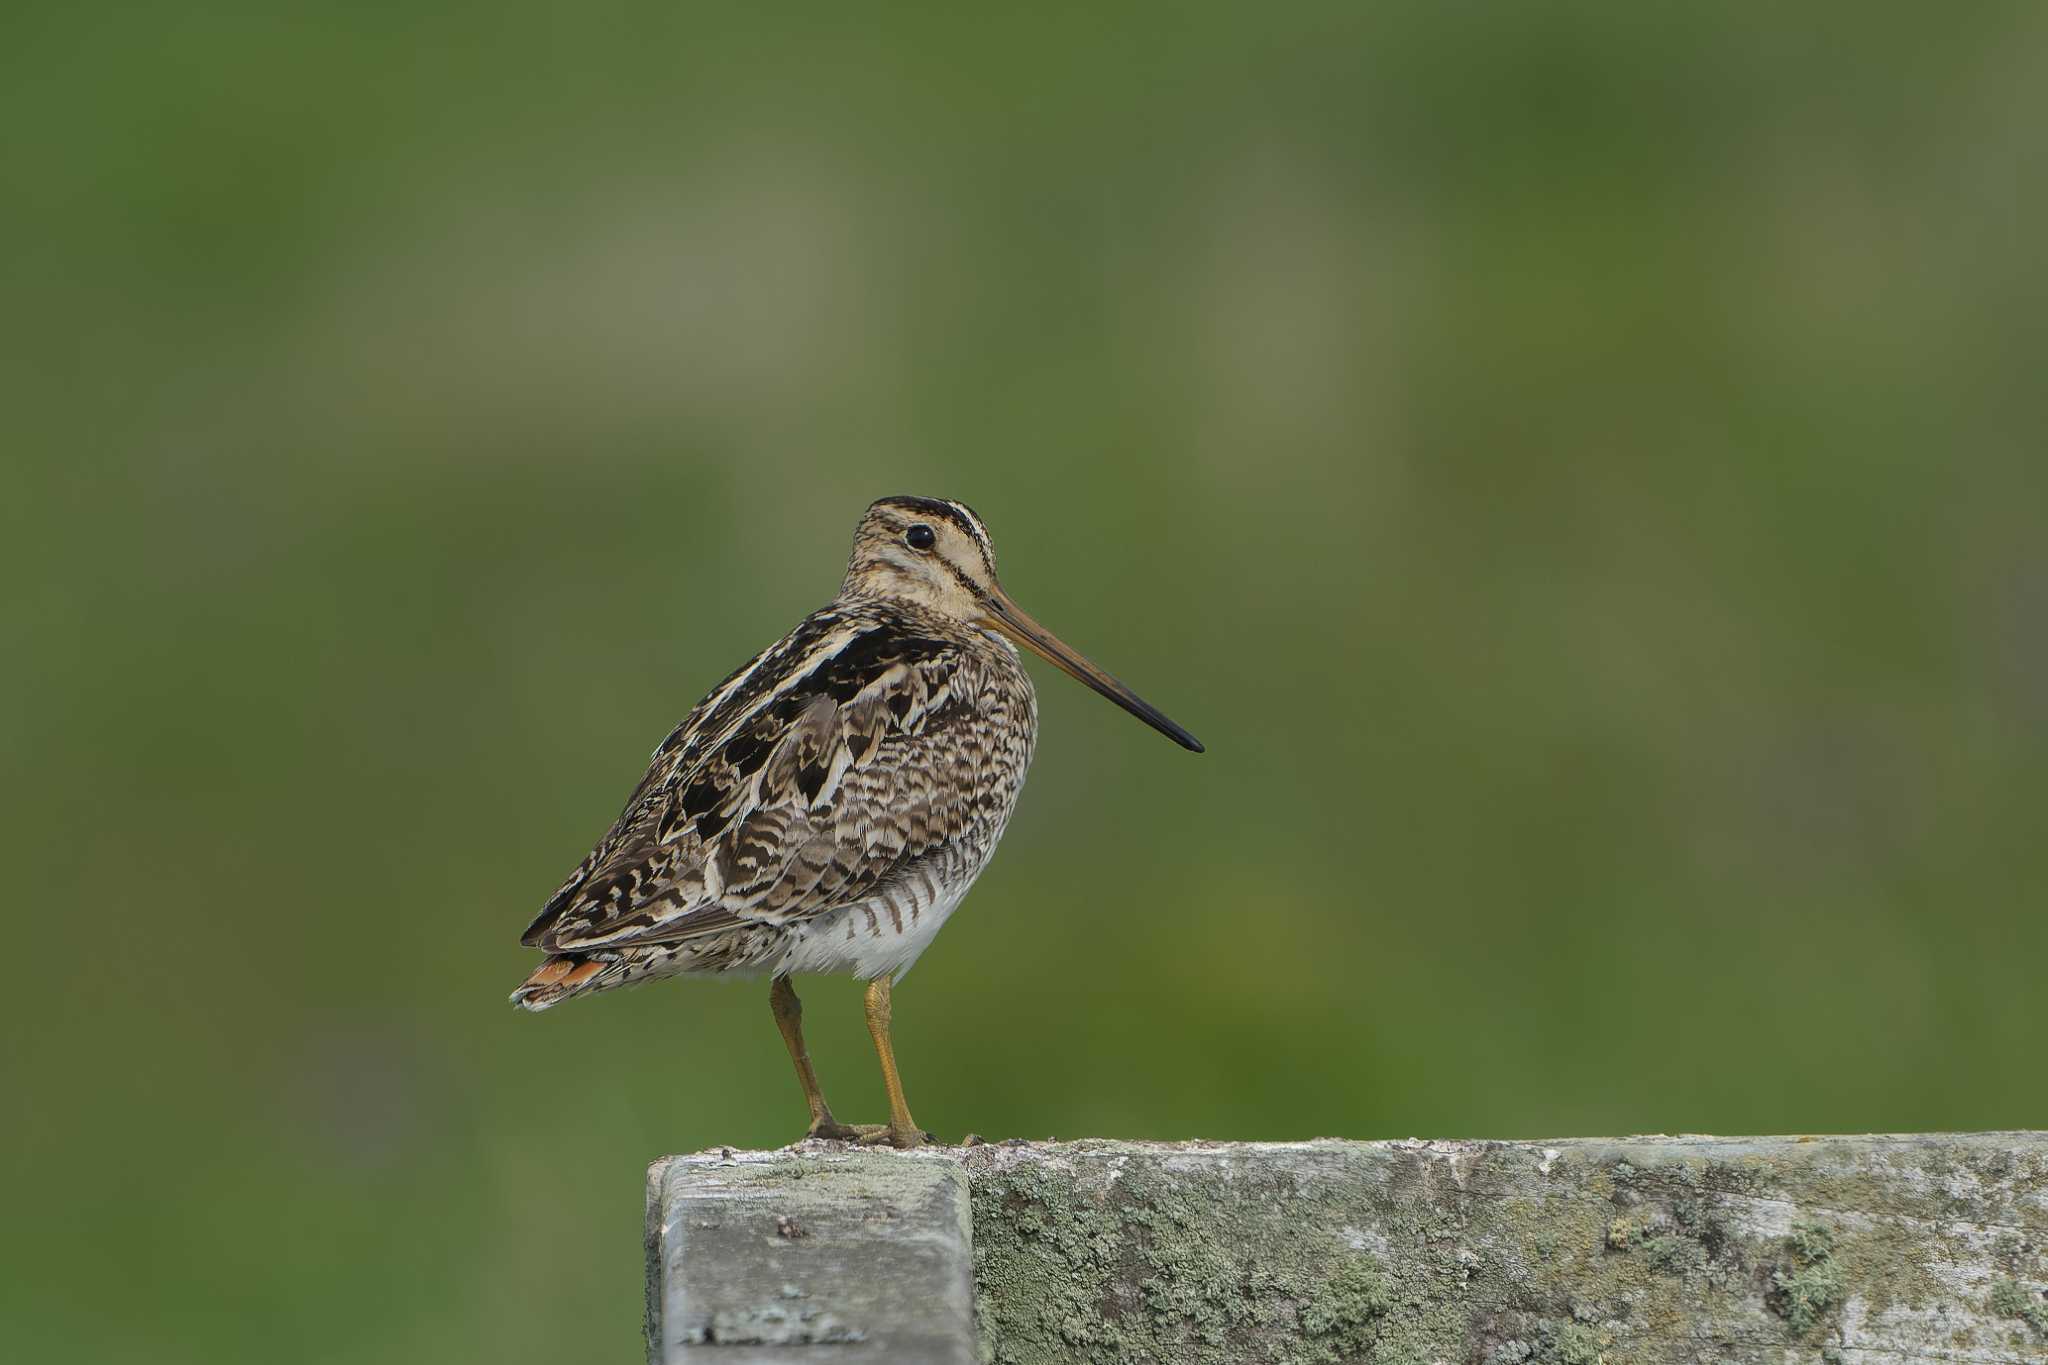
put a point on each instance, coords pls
(931, 551)
(936, 553)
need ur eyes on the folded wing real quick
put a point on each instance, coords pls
(799, 785)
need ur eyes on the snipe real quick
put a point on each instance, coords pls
(826, 808)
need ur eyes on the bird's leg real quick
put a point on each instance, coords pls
(902, 1130)
(789, 1017)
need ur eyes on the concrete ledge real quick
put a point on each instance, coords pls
(1577, 1252)
(822, 1255)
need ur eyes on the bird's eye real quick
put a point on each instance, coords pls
(920, 537)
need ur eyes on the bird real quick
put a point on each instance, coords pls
(826, 807)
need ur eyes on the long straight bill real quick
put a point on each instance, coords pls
(1007, 617)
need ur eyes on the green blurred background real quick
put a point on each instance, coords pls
(1578, 466)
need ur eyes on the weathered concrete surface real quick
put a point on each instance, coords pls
(824, 1256)
(1864, 1249)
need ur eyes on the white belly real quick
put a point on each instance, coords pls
(875, 938)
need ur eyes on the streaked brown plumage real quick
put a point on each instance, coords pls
(828, 805)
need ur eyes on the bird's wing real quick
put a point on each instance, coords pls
(798, 785)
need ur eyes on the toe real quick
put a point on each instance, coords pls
(834, 1132)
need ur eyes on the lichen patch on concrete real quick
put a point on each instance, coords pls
(1560, 1254)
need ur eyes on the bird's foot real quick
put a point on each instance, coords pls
(834, 1131)
(829, 1129)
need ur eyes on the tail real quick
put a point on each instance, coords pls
(560, 977)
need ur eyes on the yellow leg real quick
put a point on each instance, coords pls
(789, 1017)
(902, 1130)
